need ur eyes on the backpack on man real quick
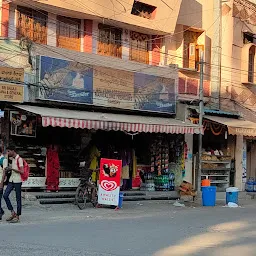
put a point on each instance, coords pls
(26, 168)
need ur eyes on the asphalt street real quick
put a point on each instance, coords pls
(139, 229)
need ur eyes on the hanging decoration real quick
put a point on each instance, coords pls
(215, 128)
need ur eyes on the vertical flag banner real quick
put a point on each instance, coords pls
(109, 184)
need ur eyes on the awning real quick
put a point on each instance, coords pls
(106, 121)
(235, 126)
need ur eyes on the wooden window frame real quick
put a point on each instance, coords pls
(138, 53)
(68, 41)
(110, 41)
(251, 63)
(31, 24)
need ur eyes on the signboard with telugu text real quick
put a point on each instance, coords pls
(109, 183)
(11, 93)
(12, 74)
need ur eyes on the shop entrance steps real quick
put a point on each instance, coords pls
(68, 197)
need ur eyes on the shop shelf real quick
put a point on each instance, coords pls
(219, 181)
(215, 175)
(215, 162)
(216, 169)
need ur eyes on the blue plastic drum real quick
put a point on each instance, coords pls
(232, 195)
(209, 196)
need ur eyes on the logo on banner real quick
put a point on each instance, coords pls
(108, 185)
(110, 178)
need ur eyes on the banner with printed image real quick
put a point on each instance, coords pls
(109, 182)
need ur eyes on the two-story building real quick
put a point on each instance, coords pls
(99, 71)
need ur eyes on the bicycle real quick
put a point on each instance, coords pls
(86, 192)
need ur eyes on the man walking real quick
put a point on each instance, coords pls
(15, 182)
(3, 165)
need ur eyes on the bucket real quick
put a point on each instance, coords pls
(209, 196)
(232, 195)
(206, 183)
(120, 201)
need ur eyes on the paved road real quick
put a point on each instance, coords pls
(145, 229)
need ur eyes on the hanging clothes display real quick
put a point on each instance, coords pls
(52, 169)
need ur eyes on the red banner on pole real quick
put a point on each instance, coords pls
(109, 183)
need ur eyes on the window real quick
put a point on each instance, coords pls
(110, 41)
(143, 10)
(68, 33)
(32, 25)
(192, 51)
(139, 47)
(248, 38)
(251, 64)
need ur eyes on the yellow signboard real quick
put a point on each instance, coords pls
(11, 92)
(12, 74)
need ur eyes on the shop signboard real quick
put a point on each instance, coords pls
(109, 182)
(66, 80)
(12, 74)
(11, 92)
(113, 88)
(22, 124)
(156, 94)
(102, 86)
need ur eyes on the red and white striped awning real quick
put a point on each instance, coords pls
(105, 121)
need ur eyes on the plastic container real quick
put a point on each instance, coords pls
(254, 186)
(249, 186)
(120, 201)
(232, 195)
(206, 183)
(209, 196)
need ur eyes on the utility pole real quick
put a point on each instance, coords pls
(220, 48)
(201, 114)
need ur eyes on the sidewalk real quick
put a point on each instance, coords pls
(34, 213)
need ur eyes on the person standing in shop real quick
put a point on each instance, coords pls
(3, 165)
(14, 183)
(52, 169)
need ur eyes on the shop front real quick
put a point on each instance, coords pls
(153, 150)
(228, 151)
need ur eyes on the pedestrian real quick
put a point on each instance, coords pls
(3, 165)
(15, 182)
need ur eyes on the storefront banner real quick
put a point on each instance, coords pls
(242, 131)
(11, 93)
(109, 182)
(113, 88)
(156, 94)
(66, 81)
(12, 74)
(101, 86)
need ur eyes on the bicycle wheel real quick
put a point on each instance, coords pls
(81, 197)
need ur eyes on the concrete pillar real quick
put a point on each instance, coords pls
(156, 46)
(52, 30)
(189, 160)
(126, 44)
(88, 36)
(82, 32)
(239, 162)
(12, 22)
(5, 13)
(95, 32)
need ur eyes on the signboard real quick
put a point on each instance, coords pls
(22, 124)
(66, 81)
(109, 183)
(113, 88)
(101, 86)
(12, 74)
(156, 94)
(11, 92)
